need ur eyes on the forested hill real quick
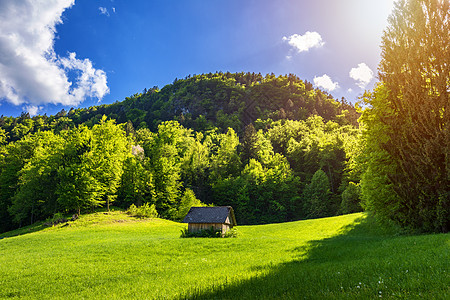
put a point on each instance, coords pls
(218, 139)
(202, 102)
(231, 100)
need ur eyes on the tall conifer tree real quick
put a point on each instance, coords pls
(410, 116)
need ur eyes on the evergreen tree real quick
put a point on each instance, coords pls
(317, 196)
(408, 124)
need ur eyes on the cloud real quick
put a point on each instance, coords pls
(90, 82)
(362, 74)
(30, 70)
(32, 109)
(103, 11)
(325, 82)
(305, 42)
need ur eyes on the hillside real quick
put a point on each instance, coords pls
(201, 102)
(115, 256)
(284, 147)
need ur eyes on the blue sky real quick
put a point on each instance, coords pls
(63, 53)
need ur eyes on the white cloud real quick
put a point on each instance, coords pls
(30, 70)
(90, 82)
(114, 10)
(325, 82)
(305, 42)
(362, 74)
(349, 90)
(103, 11)
(32, 109)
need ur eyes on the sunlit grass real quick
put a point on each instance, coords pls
(115, 256)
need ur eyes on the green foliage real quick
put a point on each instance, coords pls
(210, 233)
(143, 211)
(351, 201)
(36, 187)
(317, 196)
(165, 151)
(261, 193)
(81, 160)
(205, 233)
(56, 219)
(406, 128)
(225, 161)
(12, 160)
(231, 233)
(2, 136)
(136, 183)
(201, 102)
(187, 201)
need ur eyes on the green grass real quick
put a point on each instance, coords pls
(114, 256)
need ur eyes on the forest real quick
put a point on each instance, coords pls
(273, 147)
(289, 163)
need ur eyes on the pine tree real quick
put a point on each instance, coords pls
(407, 125)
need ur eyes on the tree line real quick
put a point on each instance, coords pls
(201, 102)
(280, 170)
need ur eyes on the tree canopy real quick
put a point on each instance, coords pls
(406, 127)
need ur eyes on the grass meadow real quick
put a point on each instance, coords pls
(114, 256)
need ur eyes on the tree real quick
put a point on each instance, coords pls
(109, 151)
(3, 136)
(35, 194)
(317, 196)
(407, 124)
(78, 188)
(12, 160)
(225, 160)
(195, 165)
(186, 202)
(249, 144)
(137, 182)
(166, 150)
(350, 199)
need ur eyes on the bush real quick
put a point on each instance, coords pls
(209, 233)
(232, 233)
(56, 219)
(143, 211)
(206, 233)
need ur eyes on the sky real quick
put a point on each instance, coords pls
(58, 54)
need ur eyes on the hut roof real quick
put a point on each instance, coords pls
(215, 214)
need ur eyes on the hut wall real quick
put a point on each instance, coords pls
(225, 228)
(195, 227)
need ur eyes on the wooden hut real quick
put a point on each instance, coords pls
(219, 218)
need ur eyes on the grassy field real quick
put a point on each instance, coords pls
(113, 256)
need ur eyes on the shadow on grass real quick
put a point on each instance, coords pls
(40, 225)
(364, 262)
(24, 230)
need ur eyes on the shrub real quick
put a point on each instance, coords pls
(143, 211)
(206, 233)
(209, 233)
(56, 219)
(232, 233)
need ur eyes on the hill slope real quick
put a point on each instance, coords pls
(114, 256)
(200, 102)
